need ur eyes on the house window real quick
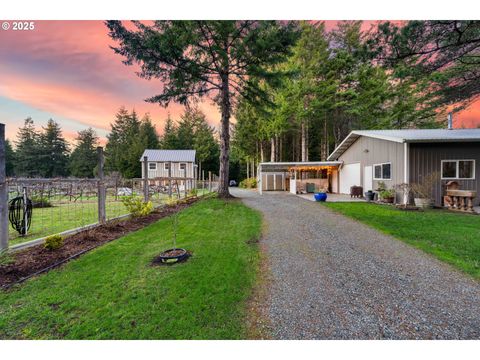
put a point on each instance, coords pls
(166, 166)
(458, 169)
(152, 166)
(183, 166)
(382, 171)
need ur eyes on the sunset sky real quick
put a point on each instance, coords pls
(65, 70)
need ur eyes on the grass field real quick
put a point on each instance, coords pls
(451, 237)
(114, 293)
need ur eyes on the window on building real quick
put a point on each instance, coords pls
(183, 166)
(166, 166)
(382, 171)
(152, 166)
(458, 169)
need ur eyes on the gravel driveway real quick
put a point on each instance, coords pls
(334, 278)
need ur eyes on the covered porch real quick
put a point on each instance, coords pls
(299, 177)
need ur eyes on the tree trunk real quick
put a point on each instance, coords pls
(304, 141)
(248, 169)
(225, 109)
(261, 152)
(272, 149)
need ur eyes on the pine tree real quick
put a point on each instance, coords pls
(169, 138)
(53, 156)
(10, 158)
(83, 159)
(27, 150)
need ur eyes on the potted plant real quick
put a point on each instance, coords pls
(423, 190)
(387, 195)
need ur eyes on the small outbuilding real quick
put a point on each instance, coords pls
(166, 166)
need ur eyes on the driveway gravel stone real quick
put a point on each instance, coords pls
(332, 277)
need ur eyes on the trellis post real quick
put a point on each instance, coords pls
(145, 179)
(3, 192)
(102, 194)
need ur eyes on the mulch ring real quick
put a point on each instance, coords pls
(37, 259)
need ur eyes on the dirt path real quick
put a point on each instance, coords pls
(334, 278)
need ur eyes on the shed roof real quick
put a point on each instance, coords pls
(169, 155)
(408, 135)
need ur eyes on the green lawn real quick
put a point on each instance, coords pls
(114, 293)
(451, 237)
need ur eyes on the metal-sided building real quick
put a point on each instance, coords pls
(394, 157)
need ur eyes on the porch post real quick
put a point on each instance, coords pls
(406, 171)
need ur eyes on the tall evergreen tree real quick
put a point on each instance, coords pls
(169, 138)
(53, 156)
(205, 58)
(10, 158)
(83, 159)
(27, 150)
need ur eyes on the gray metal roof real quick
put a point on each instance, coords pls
(408, 135)
(169, 155)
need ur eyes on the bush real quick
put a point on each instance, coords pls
(250, 183)
(53, 242)
(40, 202)
(136, 206)
(387, 193)
(193, 193)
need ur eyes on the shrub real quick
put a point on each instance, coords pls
(250, 183)
(136, 206)
(40, 202)
(193, 193)
(387, 193)
(53, 242)
(424, 189)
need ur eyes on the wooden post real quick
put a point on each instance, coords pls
(145, 179)
(170, 179)
(3, 193)
(102, 194)
(210, 181)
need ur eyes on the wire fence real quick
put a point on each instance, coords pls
(68, 205)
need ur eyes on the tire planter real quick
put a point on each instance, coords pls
(320, 196)
(172, 256)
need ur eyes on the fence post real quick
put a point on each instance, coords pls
(102, 195)
(209, 181)
(170, 179)
(145, 179)
(3, 192)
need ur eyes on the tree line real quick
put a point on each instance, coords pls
(389, 77)
(46, 152)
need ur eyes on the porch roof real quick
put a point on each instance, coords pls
(285, 166)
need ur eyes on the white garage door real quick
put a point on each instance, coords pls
(349, 176)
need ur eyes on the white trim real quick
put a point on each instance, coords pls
(406, 169)
(457, 169)
(150, 164)
(381, 164)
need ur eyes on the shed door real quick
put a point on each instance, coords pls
(278, 182)
(349, 176)
(367, 178)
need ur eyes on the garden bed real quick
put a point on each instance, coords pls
(37, 259)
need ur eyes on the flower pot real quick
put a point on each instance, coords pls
(320, 196)
(423, 203)
(369, 195)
